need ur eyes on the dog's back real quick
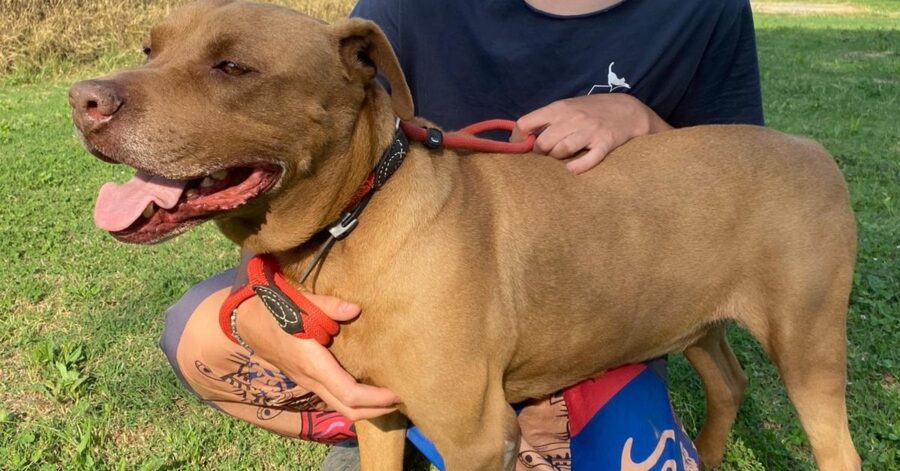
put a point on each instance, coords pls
(670, 234)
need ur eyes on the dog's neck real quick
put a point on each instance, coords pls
(371, 138)
(408, 202)
(410, 191)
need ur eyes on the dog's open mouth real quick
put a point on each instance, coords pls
(150, 208)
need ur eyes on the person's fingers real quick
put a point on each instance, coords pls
(329, 402)
(589, 160)
(337, 388)
(569, 145)
(333, 307)
(517, 135)
(551, 136)
(352, 413)
(532, 122)
(324, 369)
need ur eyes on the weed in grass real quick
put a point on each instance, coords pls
(63, 366)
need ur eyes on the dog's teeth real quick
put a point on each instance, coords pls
(191, 192)
(149, 210)
(207, 182)
(220, 175)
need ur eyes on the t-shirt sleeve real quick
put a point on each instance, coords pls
(385, 13)
(725, 88)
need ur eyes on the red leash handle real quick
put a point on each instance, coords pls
(459, 139)
(489, 125)
(289, 307)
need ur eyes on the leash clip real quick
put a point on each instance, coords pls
(337, 230)
(344, 226)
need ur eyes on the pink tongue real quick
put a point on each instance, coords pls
(118, 206)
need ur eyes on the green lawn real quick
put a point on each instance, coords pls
(84, 385)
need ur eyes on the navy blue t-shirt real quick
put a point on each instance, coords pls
(692, 61)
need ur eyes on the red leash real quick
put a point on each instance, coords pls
(434, 138)
(293, 311)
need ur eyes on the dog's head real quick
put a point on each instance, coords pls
(247, 113)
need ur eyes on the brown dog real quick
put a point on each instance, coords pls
(474, 270)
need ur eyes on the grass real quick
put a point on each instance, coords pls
(85, 386)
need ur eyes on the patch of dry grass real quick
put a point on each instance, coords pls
(791, 8)
(37, 35)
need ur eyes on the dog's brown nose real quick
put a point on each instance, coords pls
(94, 102)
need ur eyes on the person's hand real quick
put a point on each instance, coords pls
(593, 124)
(309, 364)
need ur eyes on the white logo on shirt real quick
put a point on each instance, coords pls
(613, 82)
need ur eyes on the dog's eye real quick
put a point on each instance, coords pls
(146, 50)
(232, 68)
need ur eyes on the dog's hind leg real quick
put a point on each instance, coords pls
(804, 332)
(381, 442)
(812, 361)
(724, 383)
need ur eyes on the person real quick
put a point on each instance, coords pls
(585, 75)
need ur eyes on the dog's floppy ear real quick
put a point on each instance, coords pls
(366, 52)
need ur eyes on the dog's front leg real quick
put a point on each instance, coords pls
(381, 442)
(473, 433)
